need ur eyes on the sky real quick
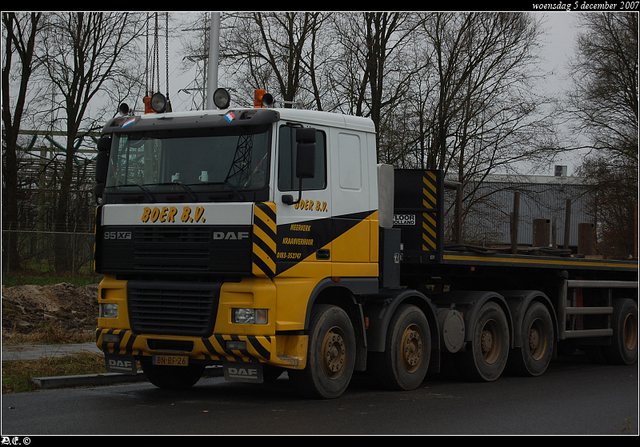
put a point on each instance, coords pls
(559, 47)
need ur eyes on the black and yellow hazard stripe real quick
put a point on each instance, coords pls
(213, 348)
(429, 218)
(257, 347)
(264, 239)
(126, 344)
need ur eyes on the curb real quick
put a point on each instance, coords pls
(48, 383)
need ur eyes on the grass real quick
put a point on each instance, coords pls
(16, 375)
(50, 334)
(41, 278)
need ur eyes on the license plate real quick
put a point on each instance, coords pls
(171, 360)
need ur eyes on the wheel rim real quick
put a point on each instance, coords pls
(491, 341)
(334, 350)
(630, 331)
(412, 348)
(537, 339)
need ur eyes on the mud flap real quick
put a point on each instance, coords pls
(123, 364)
(243, 372)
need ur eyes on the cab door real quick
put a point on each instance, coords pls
(304, 229)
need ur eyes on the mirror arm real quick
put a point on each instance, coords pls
(288, 198)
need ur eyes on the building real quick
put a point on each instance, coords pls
(490, 203)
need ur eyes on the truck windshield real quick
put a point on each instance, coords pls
(159, 161)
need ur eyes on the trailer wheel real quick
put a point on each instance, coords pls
(624, 344)
(331, 355)
(533, 358)
(172, 377)
(405, 361)
(486, 355)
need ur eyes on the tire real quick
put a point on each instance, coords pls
(624, 344)
(271, 373)
(331, 355)
(534, 356)
(404, 364)
(172, 377)
(487, 353)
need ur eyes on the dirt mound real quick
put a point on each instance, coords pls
(27, 307)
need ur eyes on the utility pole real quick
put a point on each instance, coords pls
(212, 79)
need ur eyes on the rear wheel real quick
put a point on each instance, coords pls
(487, 354)
(624, 344)
(534, 356)
(330, 357)
(172, 377)
(405, 361)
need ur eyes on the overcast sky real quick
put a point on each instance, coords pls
(559, 48)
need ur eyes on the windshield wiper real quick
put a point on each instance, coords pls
(225, 183)
(146, 191)
(183, 186)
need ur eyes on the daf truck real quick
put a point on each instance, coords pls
(263, 240)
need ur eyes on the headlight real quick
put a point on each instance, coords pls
(108, 310)
(249, 316)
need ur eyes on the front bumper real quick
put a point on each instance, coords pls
(286, 351)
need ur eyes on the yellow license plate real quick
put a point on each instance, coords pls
(171, 360)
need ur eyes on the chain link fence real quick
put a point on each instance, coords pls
(42, 250)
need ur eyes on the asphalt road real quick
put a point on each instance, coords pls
(572, 397)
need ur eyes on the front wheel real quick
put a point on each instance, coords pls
(404, 363)
(331, 354)
(172, 377)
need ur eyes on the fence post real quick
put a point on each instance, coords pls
(73, 252)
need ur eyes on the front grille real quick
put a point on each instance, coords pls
(173, 308)
(179, 249)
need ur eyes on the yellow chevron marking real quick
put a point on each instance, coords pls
(429, 200)
(257, 251)
(430, 184)
(430, 230)
(264, 218)
(265, 238)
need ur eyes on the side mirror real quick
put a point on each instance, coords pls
(104, 144)
(305, 159)
(306, 153)
(102, 163)
(101, 167)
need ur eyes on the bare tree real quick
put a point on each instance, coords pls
(483, 67)
(20, 39)
(84, 54)
(604, 102)
(484, 114)
(278, 53)
(604, 97)
(371, 72)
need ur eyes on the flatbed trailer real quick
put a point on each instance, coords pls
(583, 297)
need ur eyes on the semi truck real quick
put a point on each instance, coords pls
(261, 240)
